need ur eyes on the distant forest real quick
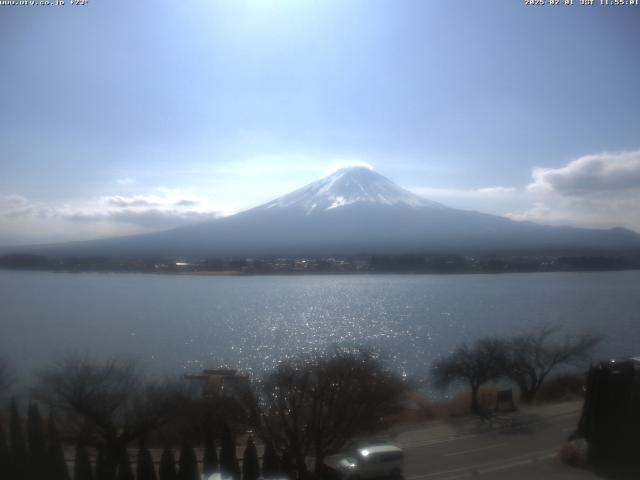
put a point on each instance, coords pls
(302, 265)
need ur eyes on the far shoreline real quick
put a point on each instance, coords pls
(403, 264)
(231, 273)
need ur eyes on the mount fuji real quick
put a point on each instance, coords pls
(357, 211)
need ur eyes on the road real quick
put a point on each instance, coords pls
(524, 446)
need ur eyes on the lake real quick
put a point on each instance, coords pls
(180, 323)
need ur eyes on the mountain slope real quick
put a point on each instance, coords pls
(348, 186)
(357, 211)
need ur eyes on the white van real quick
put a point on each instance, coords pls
(371, 461)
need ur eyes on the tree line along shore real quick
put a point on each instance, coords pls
(329, 264)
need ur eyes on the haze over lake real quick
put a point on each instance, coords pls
(175, 323)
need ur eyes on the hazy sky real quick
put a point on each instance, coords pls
(121, 116)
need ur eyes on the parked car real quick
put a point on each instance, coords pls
(370, 461)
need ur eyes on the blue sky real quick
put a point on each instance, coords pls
(123, 117)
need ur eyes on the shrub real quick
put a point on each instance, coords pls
(144, 468)
(229, 466)
(188, 464)
(210, 458)
(125, 472)
(57, 464)
(562, 387)
(250, 465)
(18, 453)
(167, 469)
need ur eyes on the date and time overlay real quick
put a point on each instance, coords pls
(583, 3)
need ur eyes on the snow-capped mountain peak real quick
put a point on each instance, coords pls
(348, 186)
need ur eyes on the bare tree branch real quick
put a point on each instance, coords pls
(485, 360)
(109, 402)
(317, 405)
(535, 354)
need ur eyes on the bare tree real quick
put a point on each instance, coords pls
(318, 405)
(484, 361)
(535, 354)
(107, 404)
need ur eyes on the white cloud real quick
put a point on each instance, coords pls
(496, 190)
(594, 191)
(339, 164)
(135, 201)
(125, 181)
(16, 206)
(465, 192)
(165, 198)
(24, 220)
(484, 199)
(560, 211)
(603, 173)
(536, 213)
(148, 218)
(166, 208)
(601, 191)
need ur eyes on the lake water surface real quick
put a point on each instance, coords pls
(175, 323)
